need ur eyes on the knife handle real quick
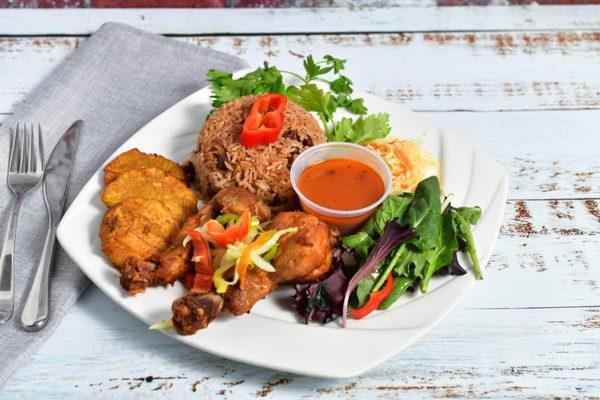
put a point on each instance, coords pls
(37, 307)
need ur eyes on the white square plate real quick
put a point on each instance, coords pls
(271, 335)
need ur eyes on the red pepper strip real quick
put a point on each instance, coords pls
(236, 233)
(202, 282)
(188, 281)
(375, 299)
(265, 120)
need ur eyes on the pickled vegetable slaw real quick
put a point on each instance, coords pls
(239, 243)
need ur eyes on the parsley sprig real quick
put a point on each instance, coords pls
(268, 79)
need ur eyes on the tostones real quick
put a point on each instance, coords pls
(135, 159)
(152, 183)
(137, 227)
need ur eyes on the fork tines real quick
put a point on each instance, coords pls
(26, 149)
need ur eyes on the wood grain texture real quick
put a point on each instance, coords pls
(507, 71)
(529, 76)
(351, 19)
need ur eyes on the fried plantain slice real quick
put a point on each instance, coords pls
(152, 183)
(136, 227)
(135, 159)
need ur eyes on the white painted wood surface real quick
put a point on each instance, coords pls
(299, 20)
(529, 76)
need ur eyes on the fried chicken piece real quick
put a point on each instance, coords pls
(152, 183)
(303, 256)
(139, 273)
(195, 311)
(237, 201)
(258, 285)
(136, 227)
(306, 255)
(135, 159)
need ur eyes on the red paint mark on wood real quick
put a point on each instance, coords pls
(259, 3)
(553, 2)
(446, 3)
(270, 385)
(60, 3)
(592, 208)
(330, 389)
(158, 3)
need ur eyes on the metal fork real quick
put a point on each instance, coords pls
(25, 172)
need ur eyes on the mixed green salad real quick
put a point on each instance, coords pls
(410, 238)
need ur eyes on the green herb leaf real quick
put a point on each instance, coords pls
(357, 107)
(313, 69)
(337, 63)
(311, 98)
(341, 85)
(263, 80)
(363, 129)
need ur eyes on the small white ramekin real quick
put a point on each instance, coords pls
(347, 221)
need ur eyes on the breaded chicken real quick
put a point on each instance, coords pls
(136, 227)
(135, 159)
(152, 183)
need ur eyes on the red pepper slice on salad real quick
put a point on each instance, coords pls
(265, 120)
(230, 235)
(375, 299)
(201, 281)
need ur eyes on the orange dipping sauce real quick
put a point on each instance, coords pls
(341, 184)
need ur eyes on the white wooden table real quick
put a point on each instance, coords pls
(522, 82)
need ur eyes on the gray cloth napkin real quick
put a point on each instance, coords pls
(116, 82)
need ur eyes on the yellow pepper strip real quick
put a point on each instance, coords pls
(244, 262)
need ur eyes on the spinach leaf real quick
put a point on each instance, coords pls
(441, 255)
(360, 242)
(363, 290)
(401, 285)
(424, 213)
(462, 220)
(393, 207)
(471, 214)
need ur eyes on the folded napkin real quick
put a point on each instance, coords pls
(116, 82)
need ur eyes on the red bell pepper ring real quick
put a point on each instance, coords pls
(230, 235)
(265, 120)
(375, 299)
(201, 281)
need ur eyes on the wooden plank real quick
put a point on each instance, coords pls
(481, 71)
(99, 351)
(548, 154)
(300, 20)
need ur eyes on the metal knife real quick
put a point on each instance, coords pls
(56, 180)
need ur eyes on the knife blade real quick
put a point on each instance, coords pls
(56, 182)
